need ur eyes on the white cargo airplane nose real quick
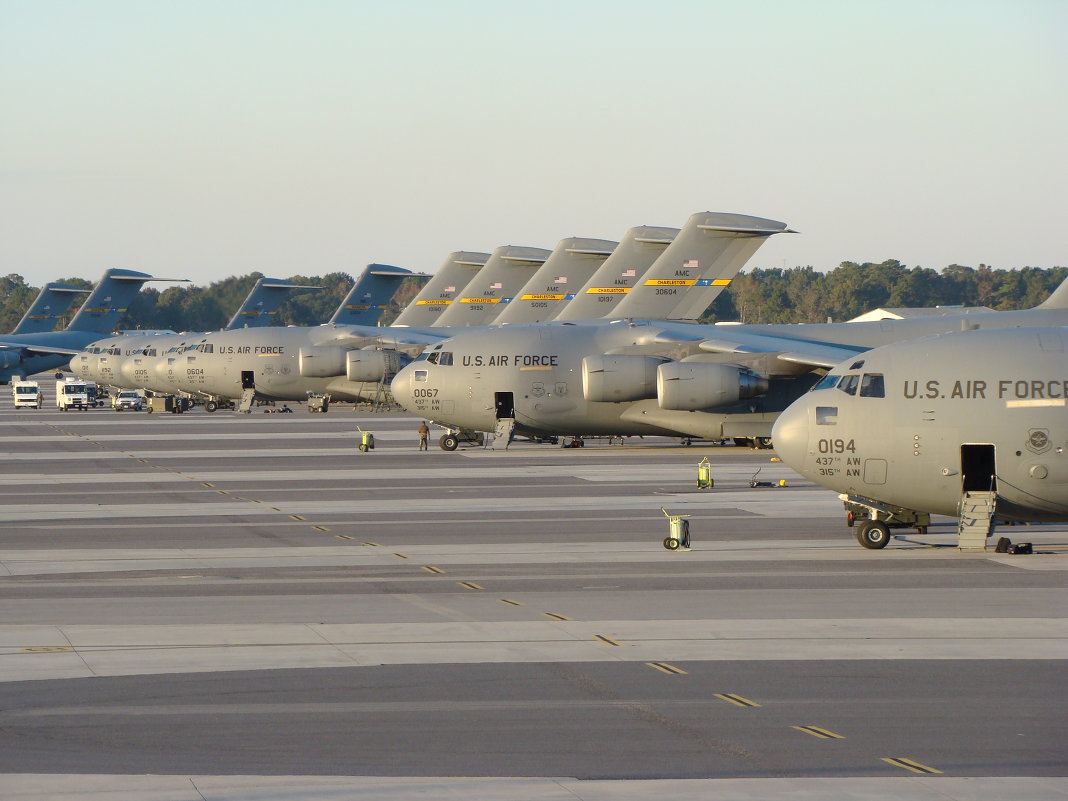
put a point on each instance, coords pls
(789, 434)
(401, 386)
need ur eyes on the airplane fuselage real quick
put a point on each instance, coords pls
(916, 424)
(537, 371)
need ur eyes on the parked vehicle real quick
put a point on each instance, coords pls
(131, 399)
(26, 393)
(73, 393)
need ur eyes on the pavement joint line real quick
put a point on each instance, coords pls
(471, 585)
(555, 616)
(339, 536)
(737, 700)
(816, 731)
(509, 602)
(432, 569)
(606, 640)
(664, 667)
(910, 764)
(402, 556)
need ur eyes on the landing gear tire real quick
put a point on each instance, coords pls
(211, 406)
(873, 534)
(448, 442)
(672, 544)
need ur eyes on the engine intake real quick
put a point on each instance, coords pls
(613, 378)
(322, 362)
(691, 386)
(373, 366)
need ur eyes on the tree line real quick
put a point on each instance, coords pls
(789, 295)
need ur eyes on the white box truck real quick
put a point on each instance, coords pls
(73, 393)
(26, 393)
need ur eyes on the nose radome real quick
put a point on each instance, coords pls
(790, 434)
(401, 386)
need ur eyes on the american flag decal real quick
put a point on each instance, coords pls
(561, 280)
(496, 285)
(628, 274)
(691, 264)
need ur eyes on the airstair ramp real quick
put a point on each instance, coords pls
(502, 434)
(248, 398)
(976, 520)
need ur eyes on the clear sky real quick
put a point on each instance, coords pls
(209, 138)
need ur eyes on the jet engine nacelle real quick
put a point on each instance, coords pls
(613, 378)
(322, 362)
(373, 366)
(9, 358)
(690, 386)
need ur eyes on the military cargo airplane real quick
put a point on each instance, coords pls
(125, 361)
(619, 377)
(970, 424)
(354, 362)
(51, 303)
(26, 354)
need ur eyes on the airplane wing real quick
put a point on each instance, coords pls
(22, 347)
(787, 349)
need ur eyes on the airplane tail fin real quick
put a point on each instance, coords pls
(1058, 298)
(573, 262)
(262, 303)
(441, 290)
(699, 264)
(618, 274)
(51, 304)
(109, 301)
(508, 268)
(370, 295)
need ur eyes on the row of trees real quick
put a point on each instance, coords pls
(797, 295)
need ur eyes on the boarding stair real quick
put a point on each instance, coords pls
(248, 399)
(976, 520)
(502, 434)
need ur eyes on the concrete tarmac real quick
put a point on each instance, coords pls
(223, 606)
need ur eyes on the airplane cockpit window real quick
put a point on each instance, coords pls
(826, 415)
(872, 386)
(827, 382)
(849, 384)
(856, 365)
(445, 357)
(422, 357)
(420, 375)
(432, 358)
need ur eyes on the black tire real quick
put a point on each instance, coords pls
(671, 543)
(210, 406)
(742, 442)
(448, 442)
(873, 534)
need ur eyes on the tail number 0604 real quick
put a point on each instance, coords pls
(837, 446)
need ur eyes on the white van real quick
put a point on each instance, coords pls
(26, 393)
